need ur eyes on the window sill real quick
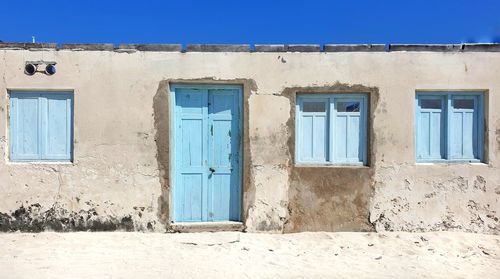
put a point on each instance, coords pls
(452, 163)
(38, 163)
(319, 165)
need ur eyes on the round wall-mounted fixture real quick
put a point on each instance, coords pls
(30, 69)
(50, 69)
(46, 67)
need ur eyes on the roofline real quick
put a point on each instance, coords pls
(466, 47)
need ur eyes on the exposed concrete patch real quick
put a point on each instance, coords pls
(161, 108)
(269, 211)
(326, 197)
(207, 227)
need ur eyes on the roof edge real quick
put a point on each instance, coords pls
(466, 47)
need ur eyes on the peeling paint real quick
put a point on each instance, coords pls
(121, 169)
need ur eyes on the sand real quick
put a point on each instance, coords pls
(244, 255)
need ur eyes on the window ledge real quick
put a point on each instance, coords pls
(451, 163)
(48, 163)
(354, 166)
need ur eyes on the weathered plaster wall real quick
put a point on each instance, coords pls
(120, 176)
(338, 194)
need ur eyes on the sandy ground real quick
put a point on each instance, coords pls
(241, 255)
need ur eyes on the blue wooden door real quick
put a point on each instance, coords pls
(207, 154)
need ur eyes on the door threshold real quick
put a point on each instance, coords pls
(207, 226)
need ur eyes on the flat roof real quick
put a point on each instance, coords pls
(465, 47)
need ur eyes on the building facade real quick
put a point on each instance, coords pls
(276, 139)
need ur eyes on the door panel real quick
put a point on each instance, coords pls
(192, 198)
(224, 155)
(190, 144)
(207, 147)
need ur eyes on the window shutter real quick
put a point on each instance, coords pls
(430, 127)
(56, 126)
(349, 130)
(463, 128)
(313, 132)
(24, 126)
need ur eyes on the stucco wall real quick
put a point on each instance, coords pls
(119, 177)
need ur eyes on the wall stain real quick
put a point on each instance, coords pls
(33, 218)
(326, 198)
(497, 133)
(162, 126)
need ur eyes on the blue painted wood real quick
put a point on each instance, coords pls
(207, 145)
(430, 116)
(41, 126)
(313, 129)
(191, 155)
(458, 125)
(56, 119)
(224, 149)
(463, 138)
(331, 128)
(24, 126)
(349, 123)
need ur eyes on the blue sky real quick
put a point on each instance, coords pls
(253, 22)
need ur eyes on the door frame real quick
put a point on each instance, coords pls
(172, 132)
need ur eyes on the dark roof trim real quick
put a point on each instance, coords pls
(88, 46)
(421, 47)
(490, 47)
(493, 47)
(217, 48)
(28, 45)
(270, 48)
(354, 48)
(482, 47)
(287, 48)
(151, 47)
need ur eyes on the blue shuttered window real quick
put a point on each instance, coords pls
(41, 126)
(313, 131)
(449, 126)
(331, 129)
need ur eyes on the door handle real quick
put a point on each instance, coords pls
(211, 169)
